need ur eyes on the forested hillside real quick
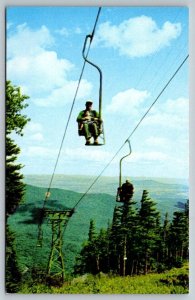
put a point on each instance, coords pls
(101, 208)
(136, 242)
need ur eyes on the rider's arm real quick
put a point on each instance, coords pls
(95, 115)
(80, 117)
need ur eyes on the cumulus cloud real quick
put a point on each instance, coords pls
(67, 32)
(37, 137)
(63, 32)
(38, 73)
(68, 153)
(40, 152)
(33, 127)
(34, 66)
(88, 155)
(27, 41)
(172, 114)
(33, 131)
(127, 102)
(65, 94)
(137, 37)
(150, 156)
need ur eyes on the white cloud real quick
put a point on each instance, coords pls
(40, 73)
(153, 156)
(63, 32)
(65, 94)
(88, 155)
(33, 127)
(38, 137)
(172, 114)
(33, 131)
(40, 152)
(26, 41)
(9, 25)
(127, 102)
(137, 37)
(68, 153)
(38, 70)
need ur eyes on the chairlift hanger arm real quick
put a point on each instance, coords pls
(90, 37)
(120, 165)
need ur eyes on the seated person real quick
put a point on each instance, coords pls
(127, 190)
(88, 120)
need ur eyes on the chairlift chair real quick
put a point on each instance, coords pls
(119, 196)
(100, 122)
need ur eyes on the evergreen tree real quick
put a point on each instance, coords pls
(15, 122)
(92, 232)
(164, 245)
(132, 229)
(13, 275)
(88, 260)
(115, 241)
(136, 242)
(102, 251)
(121, 238)
(179, 237)
(15, 187)
(148, 232)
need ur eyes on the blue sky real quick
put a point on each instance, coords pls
(138, 50)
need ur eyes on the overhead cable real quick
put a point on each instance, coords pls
(133, 131)
(71, 109)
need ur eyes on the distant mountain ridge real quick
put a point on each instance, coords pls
(105, 184)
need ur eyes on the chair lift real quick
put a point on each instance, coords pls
(120, 197)
(100, 122)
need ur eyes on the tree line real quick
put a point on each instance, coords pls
(136, 242)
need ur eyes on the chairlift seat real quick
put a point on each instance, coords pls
(81, 132)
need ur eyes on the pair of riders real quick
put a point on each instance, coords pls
(90, 126)
(89, 123)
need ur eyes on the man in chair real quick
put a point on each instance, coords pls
(127, 191)
(88, 121)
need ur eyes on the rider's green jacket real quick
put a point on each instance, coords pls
(93, 114)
